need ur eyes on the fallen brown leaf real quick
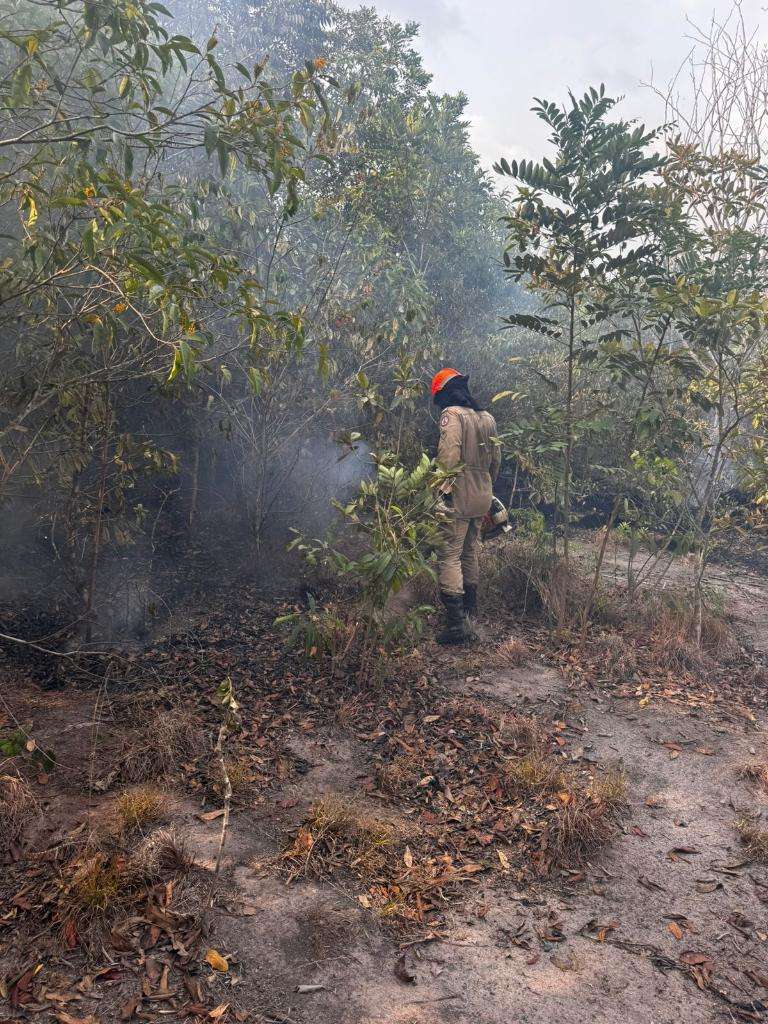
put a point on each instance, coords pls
(217, 961)
(210, 815)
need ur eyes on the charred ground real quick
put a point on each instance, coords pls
(543, 825)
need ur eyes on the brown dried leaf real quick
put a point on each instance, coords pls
(217, 961)
(129, 1007)
(210, 815)
(694, 959)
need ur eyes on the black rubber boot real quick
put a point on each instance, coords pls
(470, 610)
(455, 631)
(470, 600)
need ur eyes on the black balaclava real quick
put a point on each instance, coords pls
(456, 392)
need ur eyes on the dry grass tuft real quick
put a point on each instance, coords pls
(163, 741)
(163, 851)
(579, 827)
(524, 733)
(754, 771)
(17, 804)
(512, 653)
(609, 788)
(141, 806)
(340, 835)
(755, 840)
(534, 774)
(581, 817)
(95, 890)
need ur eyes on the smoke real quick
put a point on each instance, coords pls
(255, 465)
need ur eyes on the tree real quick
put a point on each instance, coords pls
(107, 280)
(579, 220)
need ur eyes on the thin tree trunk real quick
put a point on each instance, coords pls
(195, 483)
(569, 434)
(599, 565)
(219, 752)
(97, 532)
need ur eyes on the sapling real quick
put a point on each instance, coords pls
(225, 698)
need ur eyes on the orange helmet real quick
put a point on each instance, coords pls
(442, 377)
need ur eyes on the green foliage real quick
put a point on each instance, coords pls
(396, 521)
(580, 223)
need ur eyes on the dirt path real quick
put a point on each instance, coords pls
(621, 944)
(744, 592)
(668, 925)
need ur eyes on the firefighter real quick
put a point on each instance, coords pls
(467, 442)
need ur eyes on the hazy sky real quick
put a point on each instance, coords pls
(503, 52)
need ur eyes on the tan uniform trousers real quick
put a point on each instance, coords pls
(458, 558)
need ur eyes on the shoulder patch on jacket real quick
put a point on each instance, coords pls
(445, 419)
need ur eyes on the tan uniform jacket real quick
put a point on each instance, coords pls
(467, 439)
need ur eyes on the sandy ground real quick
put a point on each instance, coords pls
(618, 943)
(535, 955)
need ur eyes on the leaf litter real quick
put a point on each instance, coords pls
(464, 792)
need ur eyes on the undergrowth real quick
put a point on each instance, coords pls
(106, 878)
(17, 806)
(162, 740)
(754, 838)
(480, 792)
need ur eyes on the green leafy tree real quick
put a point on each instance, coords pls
(106, 279)
(581, 218)
(396, 518)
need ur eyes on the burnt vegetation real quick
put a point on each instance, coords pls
(235, 242)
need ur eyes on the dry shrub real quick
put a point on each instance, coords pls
(163, 851)
(609, 788)
(670, 620)
(340, 835)
(563, 594)
(527, 578)
(140, 806)
(754, 771)
(617, 656)
(512, 653)
(522, 575)
(524, 733)
(755, 840)
(165, 740)
(534, 774)
(103, 882)
(579, 827)
(17, 805)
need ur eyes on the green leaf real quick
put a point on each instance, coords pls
(147, 270)
(255, 379)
